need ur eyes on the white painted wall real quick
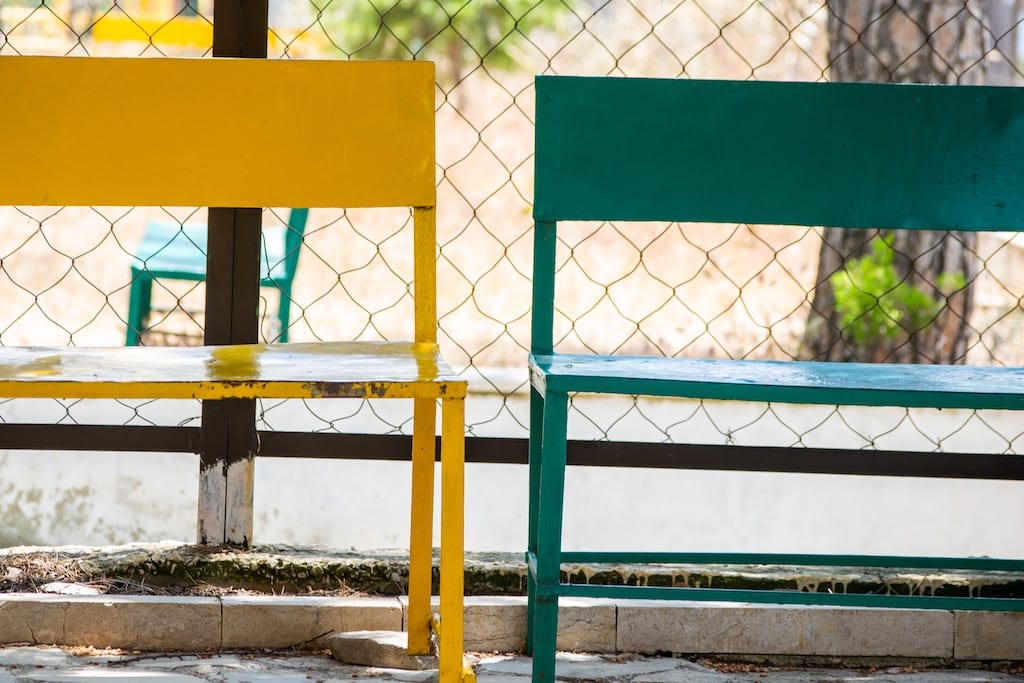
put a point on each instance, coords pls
(96, 498)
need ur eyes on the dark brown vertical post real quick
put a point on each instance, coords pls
(228, 441)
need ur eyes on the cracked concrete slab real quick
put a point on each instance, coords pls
(298, 621)
(31, 618)
(383, 649)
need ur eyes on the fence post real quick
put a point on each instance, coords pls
(228, 441)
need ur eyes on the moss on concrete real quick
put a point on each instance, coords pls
(279, 569)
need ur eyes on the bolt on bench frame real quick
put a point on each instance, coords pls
(798, 154)
(330, 134)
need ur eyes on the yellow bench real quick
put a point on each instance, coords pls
(330, 134)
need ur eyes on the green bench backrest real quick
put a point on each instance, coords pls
(830, 154)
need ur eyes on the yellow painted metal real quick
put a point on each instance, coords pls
(331, 134)
(337, 134)
(308, 370)
(425, 273)
(452, 528)
(468, 674)
(421, 525)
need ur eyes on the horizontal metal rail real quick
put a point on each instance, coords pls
(796, 559)
(498, 450)
(784, 597)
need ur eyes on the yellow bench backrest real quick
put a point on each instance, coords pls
(217, 132)
(227, 133)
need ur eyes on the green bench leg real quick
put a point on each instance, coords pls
(139, 302)
(536, 430)
(548, 506)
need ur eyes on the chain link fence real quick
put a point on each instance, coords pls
(739, 291)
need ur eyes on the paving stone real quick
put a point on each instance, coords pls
(34, 656)
(166, 624)
(203, 663)
(575, 668)
(384, 649)
(31, 618)
(498, 623)
(857, 632)
(495, 623)
(507, 665)
(283, 622)
(732, 628)
(586, 625)
(685, 671)
(106, 676)
(649, 626)
(595, 667)
(989, 635)
(683, 675)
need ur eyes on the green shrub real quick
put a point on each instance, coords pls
(878, 306)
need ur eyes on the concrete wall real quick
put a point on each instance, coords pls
(98, 498)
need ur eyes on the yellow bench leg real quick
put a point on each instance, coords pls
(422, 525)
(452, 528)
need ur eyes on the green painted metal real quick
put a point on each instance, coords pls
(839, 154)
(796, 560)
(536, 432)
(864, 384)
(831, 154)
(542, 319)
(175, 251)
(550, 478)
(780, 597)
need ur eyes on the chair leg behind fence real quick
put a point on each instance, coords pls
(284, 309)
(139, 304)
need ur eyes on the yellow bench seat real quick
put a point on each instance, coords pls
(344, 369)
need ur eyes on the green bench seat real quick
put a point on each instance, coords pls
(862, 384)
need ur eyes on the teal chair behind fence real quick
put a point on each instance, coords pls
(175, 251)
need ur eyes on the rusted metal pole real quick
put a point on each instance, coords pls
(228, 440)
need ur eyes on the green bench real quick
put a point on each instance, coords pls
(786, 154)
(177, 251)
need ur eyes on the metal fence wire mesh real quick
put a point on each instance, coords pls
(739, 291)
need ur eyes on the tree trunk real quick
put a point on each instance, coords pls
(918, 41)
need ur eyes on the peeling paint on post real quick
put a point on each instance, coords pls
(238, 498)
(212, 494)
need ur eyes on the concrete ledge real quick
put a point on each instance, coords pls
(989, 635)
(141, 623)
(499, 624)
(134, 622)
(735, 628)
(31, 618)
(267, 621)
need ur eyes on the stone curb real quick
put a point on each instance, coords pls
(197, 624)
